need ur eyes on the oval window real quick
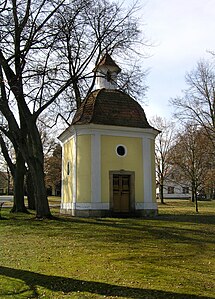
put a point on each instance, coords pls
(121, 150)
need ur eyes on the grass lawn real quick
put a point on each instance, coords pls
(171, 256)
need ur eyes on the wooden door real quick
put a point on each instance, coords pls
(121, 193)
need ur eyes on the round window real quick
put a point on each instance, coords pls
(121, 150)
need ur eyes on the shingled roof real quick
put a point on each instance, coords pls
(111, 107)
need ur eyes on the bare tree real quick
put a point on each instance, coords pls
(198, 104)
(53, 169)
(5, 170)
(46, 51)
(209, 182)
(17, 170)
(163, 143)
(190, 156)
(86, 34)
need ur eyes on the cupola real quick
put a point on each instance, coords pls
(106, 73)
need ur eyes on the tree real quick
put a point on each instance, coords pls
(18, 168)
(5, 175)
(17, 171)
(46, 49)
(209, 182)
(163, 143)
(53, 165)
(99, 26)
(208, 179)
(198, 104)
(190, 158)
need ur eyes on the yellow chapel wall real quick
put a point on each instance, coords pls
(68, 157)
(110, 161)
(133, 161)
(84, 168)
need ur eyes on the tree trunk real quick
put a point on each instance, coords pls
(18, 173)
(41, 200)
(35, 160)
(26, 134)
(8, 181)
(193, 192)
(30, 191)
(18, 180)
(161, 191)
(196, 202)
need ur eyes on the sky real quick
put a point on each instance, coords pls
(182, 32)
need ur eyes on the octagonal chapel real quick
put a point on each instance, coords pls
(108, 153)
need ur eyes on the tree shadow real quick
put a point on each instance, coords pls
(194, 218)
(186, 217)
(67, 285)
(132, 229)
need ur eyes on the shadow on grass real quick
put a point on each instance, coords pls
(134, 228)
(196, 218)
(67, 285)
(201, 219)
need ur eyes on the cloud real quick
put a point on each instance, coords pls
(183, 31)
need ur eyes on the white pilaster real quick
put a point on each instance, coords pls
(62, 177)
(74, 171)
(147, 172)
(96, 168)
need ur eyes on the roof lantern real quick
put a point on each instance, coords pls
(106, 73)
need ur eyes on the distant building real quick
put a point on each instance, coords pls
(175, 190)
(108, 153)
(175, 186)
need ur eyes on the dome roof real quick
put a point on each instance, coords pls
(111, 107)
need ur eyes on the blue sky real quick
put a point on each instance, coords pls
(183, 31)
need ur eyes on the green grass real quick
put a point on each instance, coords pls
(171, 256)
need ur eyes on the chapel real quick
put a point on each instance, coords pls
(108, 166)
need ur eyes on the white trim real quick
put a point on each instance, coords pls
(149, 135)
(104, 206)
(147, 170)
(92, 206)
(107, 130)
(62, 175)
(116, 131)
(66, 205)
(74, 169)
(146, 206)
(67, 134)
(96, 168)
(85, 206)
